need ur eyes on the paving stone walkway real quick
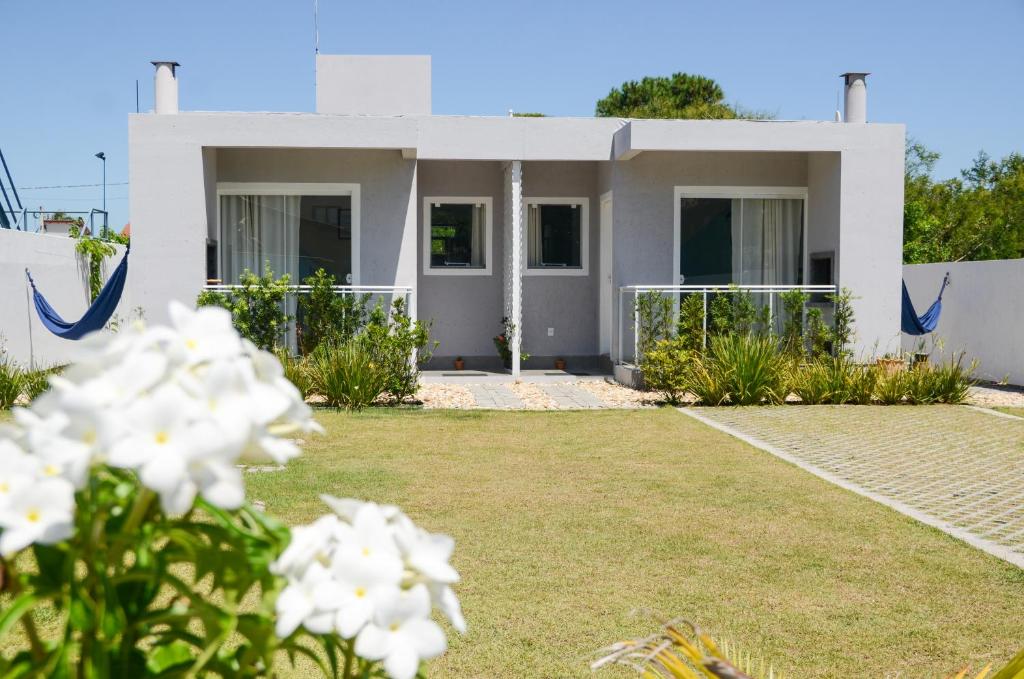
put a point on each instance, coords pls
(570, 397)
(957, 468)
(494, 396)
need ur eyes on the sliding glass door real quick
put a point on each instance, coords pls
(741, 241)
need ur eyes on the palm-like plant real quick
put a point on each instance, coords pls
(681, 650)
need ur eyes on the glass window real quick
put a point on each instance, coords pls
(457, 235)
(748, 241)
(555, 236)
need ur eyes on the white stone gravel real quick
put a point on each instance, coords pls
(991, 397)
(445, 396)
(532, 396)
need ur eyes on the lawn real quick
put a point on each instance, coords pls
(568, 522)
(1019, 412)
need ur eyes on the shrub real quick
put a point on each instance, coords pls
(654, 316)
(835, 380)
(740, 370)
(891, 386)
(328, 315)
(345, 374)
(842, 322)
(816, 335)
(257, 307)
(793, 302)
(943, 383)
(690, 328)
(399, 346)
(296, 371)
(666, 368)
(11, 381)
(35, 382)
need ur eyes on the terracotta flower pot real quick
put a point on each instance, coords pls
(891, 365)
(460, 364)
(559, 364)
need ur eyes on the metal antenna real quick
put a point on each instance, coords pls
(136, 95)
(316, 26)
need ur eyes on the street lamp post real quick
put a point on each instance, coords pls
(102, 156)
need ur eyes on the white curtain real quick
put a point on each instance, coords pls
(477, 237)
(256, 231)
(533, 236)
(769, 250)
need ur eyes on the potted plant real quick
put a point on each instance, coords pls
(502, 343)
(559, 364)
(891, 364)
(459, 363)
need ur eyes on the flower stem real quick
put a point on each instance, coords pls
(349, 657)
(38, 653)
(139, 509)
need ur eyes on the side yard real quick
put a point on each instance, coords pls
(568, 522)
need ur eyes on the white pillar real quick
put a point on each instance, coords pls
(165, 87)
(513, 235)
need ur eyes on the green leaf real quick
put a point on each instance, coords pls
(17, 608)
(169, 656)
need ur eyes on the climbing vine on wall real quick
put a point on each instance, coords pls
(93, 251)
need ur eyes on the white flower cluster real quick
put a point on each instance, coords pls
(180, 405)
(368, 572)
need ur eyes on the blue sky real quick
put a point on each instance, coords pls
(950, 70)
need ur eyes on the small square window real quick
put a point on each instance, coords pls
(457, 235)
(555, 236)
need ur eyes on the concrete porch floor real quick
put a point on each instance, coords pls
(505, 377)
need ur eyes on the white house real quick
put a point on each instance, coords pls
(545, 220)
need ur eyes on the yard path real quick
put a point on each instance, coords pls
(957, 468)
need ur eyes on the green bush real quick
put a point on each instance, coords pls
(345, 374)
(666, 368)
(734, 312)
(257, 307)
(947, 382)
(817, 335)
(328, 315)
(842, 322)
(11, 381)
(399, 346)
(35, 382)
(835, 380)
(891, 386)
(793, 302)
(690, 328)
(740, 370)
(655, 317)
(296, 371)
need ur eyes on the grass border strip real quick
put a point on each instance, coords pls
(987, 546)
(992, 411)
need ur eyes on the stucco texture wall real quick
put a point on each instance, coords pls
(61, 278)
(982, 314)
(465, 309)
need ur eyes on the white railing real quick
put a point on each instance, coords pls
(706, 291)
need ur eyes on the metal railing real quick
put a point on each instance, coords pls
(19, 219)
(706, 292)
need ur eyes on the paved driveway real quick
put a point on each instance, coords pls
(953, 467)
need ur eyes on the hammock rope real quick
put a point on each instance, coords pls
(911, 323)
(95, 317)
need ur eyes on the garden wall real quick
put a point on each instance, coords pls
(60, 277)
(982, 312)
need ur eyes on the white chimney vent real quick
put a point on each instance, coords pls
(855, 105)
(165, 87)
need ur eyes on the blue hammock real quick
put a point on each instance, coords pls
(96, 316)
(911, 323)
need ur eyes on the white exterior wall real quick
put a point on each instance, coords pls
(982, 314)
(61, 278)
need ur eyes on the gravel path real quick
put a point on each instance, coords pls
(989, 396)
(526, 395)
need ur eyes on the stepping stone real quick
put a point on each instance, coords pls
(494, 396)
(571, 397)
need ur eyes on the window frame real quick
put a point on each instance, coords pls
(295, 189)
(488, 267)
(734, 192)
(584, 268)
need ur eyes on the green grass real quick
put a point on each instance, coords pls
(567, 522)
(1019, 412)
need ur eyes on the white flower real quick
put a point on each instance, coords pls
(310, 601)
(203, 334)
(40, 511)
(401, 634)
(444, 598)
(427, 553)
(309, 544)
(364, 578)
(17, 471)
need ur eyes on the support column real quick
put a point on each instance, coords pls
(513, 241)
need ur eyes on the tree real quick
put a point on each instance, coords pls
(680, 95)
(977, 216)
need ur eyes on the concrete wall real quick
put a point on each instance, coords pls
(373, 85)
(568, 304)
(466, 309)
(982, 313)
(61, 278)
